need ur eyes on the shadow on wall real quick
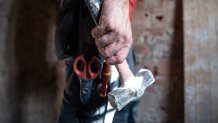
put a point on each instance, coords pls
(175, 105)
(34, 90)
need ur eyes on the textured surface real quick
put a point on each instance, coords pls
(28, 81)
(133, 89)
(157, 31)
(201, 67)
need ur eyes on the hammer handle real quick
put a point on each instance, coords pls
(124, 71)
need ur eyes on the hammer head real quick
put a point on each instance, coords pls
(132, 90)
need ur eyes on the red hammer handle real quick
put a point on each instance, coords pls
(105, 79)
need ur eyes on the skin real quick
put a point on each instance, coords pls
(113, 35)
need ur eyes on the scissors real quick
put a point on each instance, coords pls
(88, 69)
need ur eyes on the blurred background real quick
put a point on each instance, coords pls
(176, 39)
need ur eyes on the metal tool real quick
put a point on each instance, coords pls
(87, 71)
(133, 89)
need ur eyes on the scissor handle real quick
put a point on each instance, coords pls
(93, 74)
(81, 73)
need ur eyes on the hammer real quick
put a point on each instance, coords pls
(132, 87)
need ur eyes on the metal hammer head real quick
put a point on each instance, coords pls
(132, 90)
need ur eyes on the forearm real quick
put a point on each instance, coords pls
(115, 8)
(113, 34)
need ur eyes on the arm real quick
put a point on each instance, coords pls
(113, 34)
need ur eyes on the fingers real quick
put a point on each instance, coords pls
(110, 50)
(99, 31)
(114, 46)
(105, 26)
(113, 35)
(116, 52)
(106, 40)
(119, 57)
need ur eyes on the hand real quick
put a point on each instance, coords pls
(113, 35)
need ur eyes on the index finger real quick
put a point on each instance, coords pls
(98, 31)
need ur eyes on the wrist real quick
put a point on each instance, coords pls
(119, 3)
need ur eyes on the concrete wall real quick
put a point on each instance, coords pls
(157, 31)
(200, 60)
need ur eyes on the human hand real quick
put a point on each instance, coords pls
(113, 35)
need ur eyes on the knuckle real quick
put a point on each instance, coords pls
(97, 31)
(120, 60)
(102, 41)
(110, 26)
(106, 54)
(118, 33)
(108, 51)
(126, 37)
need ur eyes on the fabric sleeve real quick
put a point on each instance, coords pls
(131, 7)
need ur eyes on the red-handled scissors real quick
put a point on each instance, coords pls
(89, 70)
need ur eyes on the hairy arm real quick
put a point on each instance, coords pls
(113, 35)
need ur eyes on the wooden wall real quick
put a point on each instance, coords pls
(201, 60)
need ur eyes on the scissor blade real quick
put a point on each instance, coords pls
(94, 7)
